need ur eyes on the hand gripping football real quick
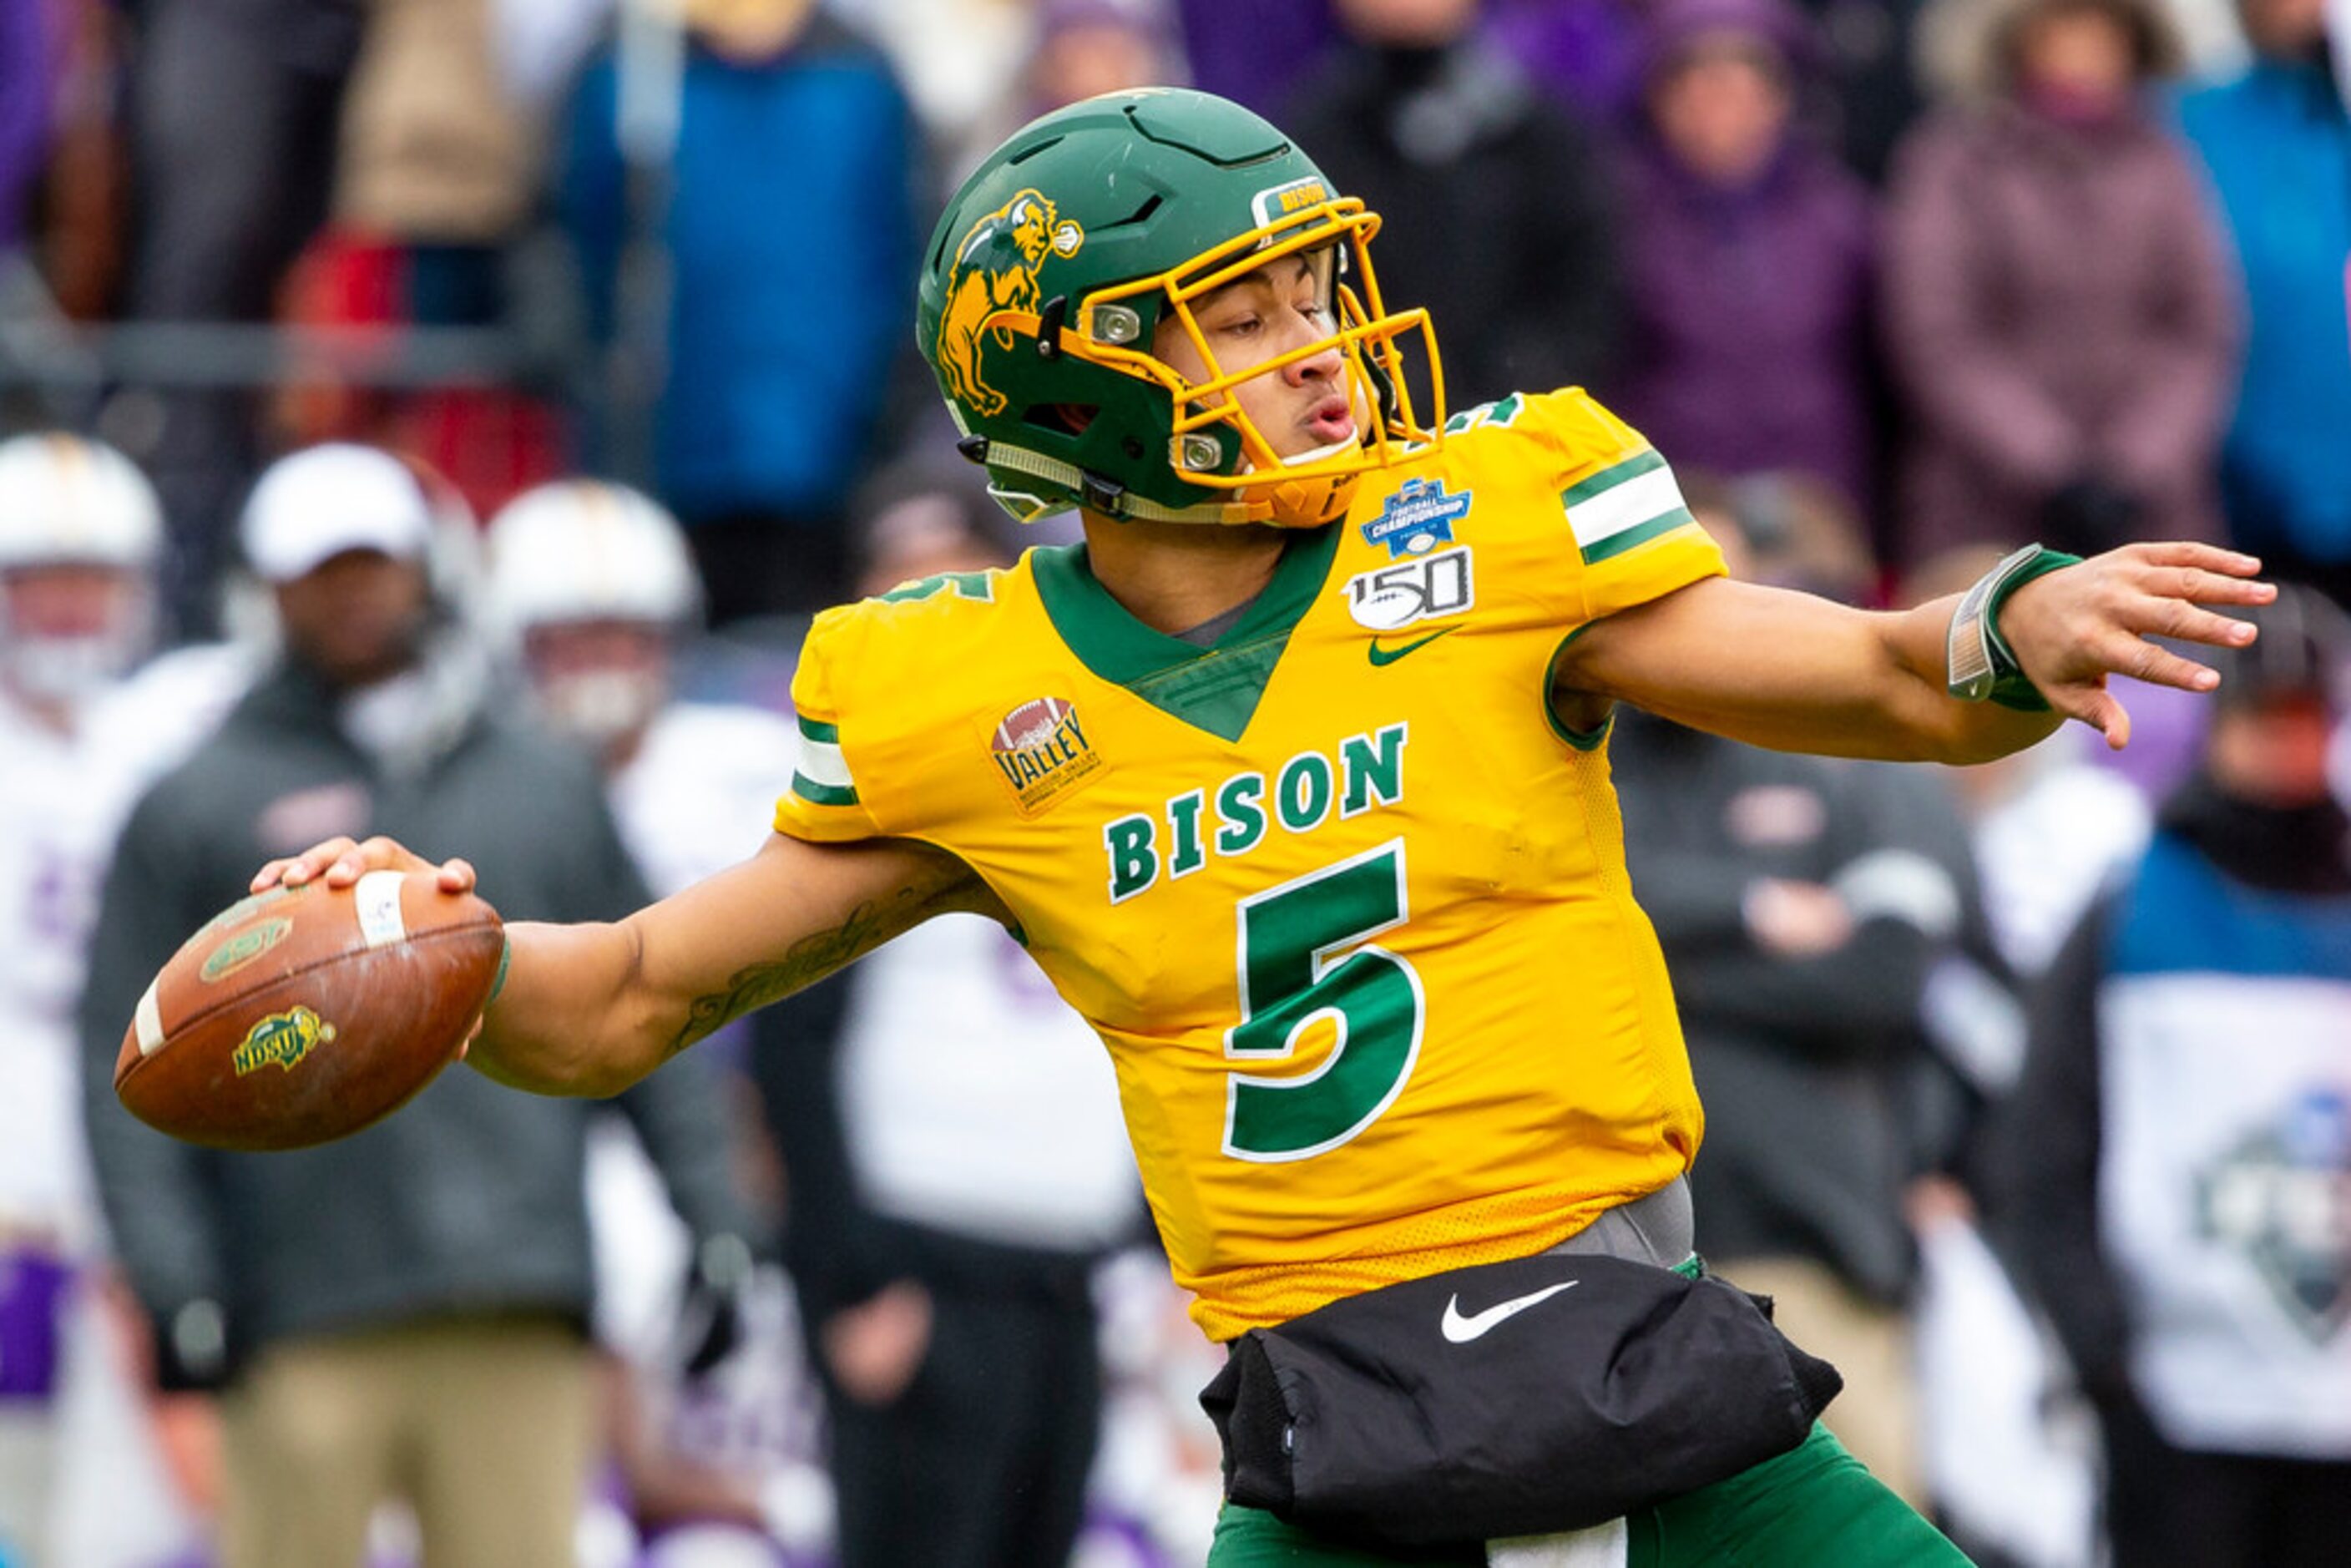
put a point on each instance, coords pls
(300, 1015)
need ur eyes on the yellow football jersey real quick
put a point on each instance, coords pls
(1347, 905)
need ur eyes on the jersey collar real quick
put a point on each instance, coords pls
(1215, 688)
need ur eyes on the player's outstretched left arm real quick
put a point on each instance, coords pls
(1800, 674)
(590, 1008)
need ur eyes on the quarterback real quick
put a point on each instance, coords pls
(1293, 778)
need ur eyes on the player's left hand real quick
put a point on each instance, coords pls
(2072, 629)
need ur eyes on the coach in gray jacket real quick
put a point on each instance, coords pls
(402, 1312)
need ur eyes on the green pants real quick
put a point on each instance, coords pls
(1812, 1506)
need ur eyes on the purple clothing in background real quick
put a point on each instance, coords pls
(28, 108)
(1748, 344)
(1585, 54)
(2057, 303)
(1255, 54)
(33, 1288)
(2167, 728)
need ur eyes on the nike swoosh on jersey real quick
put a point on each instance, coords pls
(1461, 1331)
(1390, 655)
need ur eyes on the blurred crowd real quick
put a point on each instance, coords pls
(439, 417)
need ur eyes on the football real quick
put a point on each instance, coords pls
(300, 1015)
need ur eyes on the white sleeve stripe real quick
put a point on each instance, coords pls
(1626, 506)
(820, 762)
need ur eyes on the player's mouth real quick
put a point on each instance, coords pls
(1331, 421)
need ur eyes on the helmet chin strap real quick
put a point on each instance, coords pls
(1300, 459)
(1306, 503)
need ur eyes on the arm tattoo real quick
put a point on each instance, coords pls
(810, 959)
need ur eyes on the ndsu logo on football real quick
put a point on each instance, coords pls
(995, 271)
(1043, 753)
(282, 1039)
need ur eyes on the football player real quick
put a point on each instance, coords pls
(81, 536)
(1293, 778)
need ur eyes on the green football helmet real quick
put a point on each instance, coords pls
(1060, 258)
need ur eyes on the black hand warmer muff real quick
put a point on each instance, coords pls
(1543, 1394)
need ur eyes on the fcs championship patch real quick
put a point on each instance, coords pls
(1041, 750)
(1416, 519)
(995, 271)
(282, 1039)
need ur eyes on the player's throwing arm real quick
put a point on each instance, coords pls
(1962, 679)
(590, 1008)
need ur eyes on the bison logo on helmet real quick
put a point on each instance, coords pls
(995, 271)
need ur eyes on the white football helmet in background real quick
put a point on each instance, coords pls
(74, 513)
(588, 582)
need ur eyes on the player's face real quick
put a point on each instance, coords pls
(66, 601)
(357, 617)
(69, 627)
(599, 682)
(1299, 407)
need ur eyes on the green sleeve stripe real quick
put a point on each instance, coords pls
(1608, 478)
(1617, 543)
(809, 789)
(816, 729)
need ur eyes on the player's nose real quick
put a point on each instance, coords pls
(1321, 366)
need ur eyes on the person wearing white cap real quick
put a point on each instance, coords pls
(80, 537)
(402, 1311)
(342, 535)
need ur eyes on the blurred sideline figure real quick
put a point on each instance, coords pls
(2009, 1446)
(949, 1206)
(591, 592)
(399, 1314)
(2057, 304)
(2179, 1158)
(1444, 135)
(231, 120)
(80, 537)
(1748, 254)
(1801, 903)
(785, 275)
(2275, 142)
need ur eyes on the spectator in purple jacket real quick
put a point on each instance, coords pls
(1747, 250)
(2057, 306)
